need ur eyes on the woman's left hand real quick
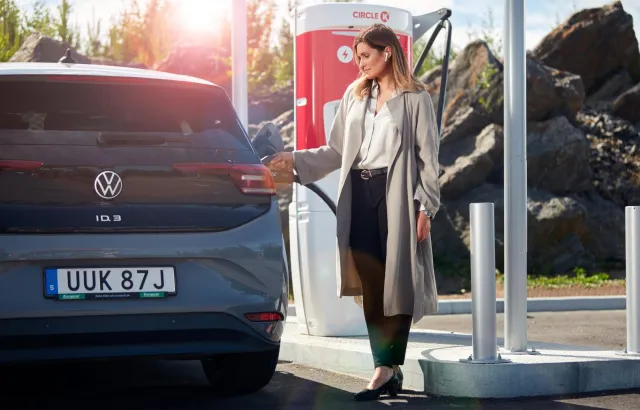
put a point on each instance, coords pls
(424, 226)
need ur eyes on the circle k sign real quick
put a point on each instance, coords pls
(370, 15)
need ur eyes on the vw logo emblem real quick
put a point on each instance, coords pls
(108, 185)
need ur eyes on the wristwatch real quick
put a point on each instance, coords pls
(429, 214)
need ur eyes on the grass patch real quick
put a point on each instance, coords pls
(580, 278)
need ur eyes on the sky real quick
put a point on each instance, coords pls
(468, 15)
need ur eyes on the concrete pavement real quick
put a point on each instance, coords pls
(433, 362)
(601, 329)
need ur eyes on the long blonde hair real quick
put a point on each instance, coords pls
(379, 37)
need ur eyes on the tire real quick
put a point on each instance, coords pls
(240, 373)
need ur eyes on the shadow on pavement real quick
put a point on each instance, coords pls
(125, 385)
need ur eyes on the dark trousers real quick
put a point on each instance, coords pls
(388, 335)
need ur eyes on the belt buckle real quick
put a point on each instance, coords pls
(365, 174)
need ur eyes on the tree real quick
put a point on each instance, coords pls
(11, 33)
(260, 63)
(283, 60)
(64, 31)
(40, 20)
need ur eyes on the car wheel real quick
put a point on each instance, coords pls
(240, 373)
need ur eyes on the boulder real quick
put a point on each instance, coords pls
(613, 158)
(38, 48)
(465, 124)
(627, 105)
(550, 92)
(472, 170)
(467, 74)
(603, 232)
(270, 103)
(557, 157)
(604, 97)
(555, 228)
(593, 43)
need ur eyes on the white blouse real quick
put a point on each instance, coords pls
(378, 131)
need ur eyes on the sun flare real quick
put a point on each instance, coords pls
(202, 15)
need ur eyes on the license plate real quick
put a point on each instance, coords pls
(110, 283)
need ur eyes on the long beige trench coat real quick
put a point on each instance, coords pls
(410, 284)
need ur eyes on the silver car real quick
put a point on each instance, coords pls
(136, 220)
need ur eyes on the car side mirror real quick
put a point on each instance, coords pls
(268, 141)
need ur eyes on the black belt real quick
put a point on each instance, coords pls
(370, 173)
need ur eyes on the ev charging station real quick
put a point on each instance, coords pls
(324, 67)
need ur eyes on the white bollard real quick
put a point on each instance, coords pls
(483, 285)
(632, 241)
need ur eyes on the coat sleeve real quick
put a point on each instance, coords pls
(315, 163)
(427, 147)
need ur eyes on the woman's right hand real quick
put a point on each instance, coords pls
(281, 167)
(281, 162)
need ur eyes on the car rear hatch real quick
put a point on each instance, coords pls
(117, 154)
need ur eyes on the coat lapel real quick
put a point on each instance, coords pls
(397, 110)
(354, 134)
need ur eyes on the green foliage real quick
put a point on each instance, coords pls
(16, 25)
(63, 30)
(41, 20)
(580, 278)
(11, 29)
(283, 56)
(435, 57)
(484, 82)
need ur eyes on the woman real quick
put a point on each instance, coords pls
(384, 140)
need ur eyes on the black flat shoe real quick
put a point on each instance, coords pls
(390, 387)
(400, 379)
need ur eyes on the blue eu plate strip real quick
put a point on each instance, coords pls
(51, 281)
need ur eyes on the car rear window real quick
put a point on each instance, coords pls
(117, 106)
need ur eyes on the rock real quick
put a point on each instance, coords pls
(554, 228)
(269, 103)
(614, 159)
(605, 125)
(467, 74)
(38, 48)
(614, 86)
(550, 92)
(593, 43)
(447, 230)
(627, 105)
(554, 225)
(603, 233)
(464, 125)
(471, 171)
(557, 157)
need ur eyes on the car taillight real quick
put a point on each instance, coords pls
(265, 317)
(249, 178)
(253, 179)
(19, 165)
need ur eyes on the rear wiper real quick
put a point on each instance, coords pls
(117, 138)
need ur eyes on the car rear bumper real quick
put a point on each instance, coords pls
(179, 335)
